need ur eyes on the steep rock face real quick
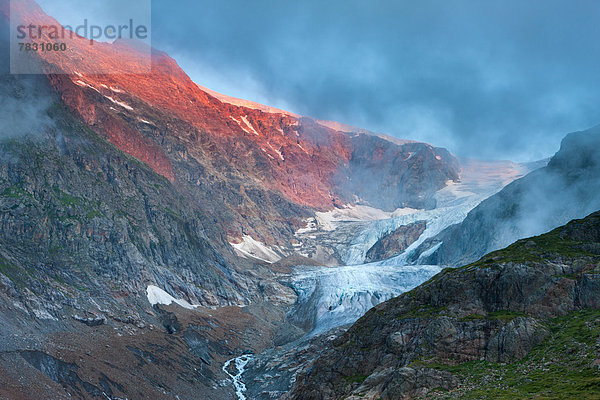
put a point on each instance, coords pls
(78, 216)
(395, 242)
(412, 174)
(494, 310)
(118, 132)
(565, 189)
(84, 230)
(257, 168)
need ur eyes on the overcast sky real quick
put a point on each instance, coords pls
(488, 79)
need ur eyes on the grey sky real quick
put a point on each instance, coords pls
(489, 79)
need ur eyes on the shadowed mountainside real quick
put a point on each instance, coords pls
(567, 188)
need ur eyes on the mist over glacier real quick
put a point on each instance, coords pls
(567, 188)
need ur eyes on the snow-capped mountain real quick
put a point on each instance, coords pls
(155, 232)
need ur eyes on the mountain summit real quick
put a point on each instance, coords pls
(266, 162)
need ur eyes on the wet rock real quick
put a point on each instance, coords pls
(90, 321)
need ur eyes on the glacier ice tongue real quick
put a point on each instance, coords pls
(332, 297)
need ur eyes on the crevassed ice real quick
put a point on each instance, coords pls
(339, 296)
(479, 180)
(436, 220)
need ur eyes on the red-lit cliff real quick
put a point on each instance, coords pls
(250, 165)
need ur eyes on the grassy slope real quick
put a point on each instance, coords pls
(564, 366)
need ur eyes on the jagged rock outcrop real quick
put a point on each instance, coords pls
(567, 188)
(389, 176)
(395, 242)
(496, 310)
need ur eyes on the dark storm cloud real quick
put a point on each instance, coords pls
(502, 79)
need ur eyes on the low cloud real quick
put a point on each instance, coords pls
(505, 79)
(23, 107)
(494, 80)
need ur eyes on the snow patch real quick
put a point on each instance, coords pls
(124, 105)
(158, 296)
(245, 119)
(251, 248)
(114, 89)
(84, 84)
(330, 220)
(246, 126)
(303, 149)
(311, 226)
(276, 151)
(279, 154)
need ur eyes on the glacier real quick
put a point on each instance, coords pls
(436, 220)
(332, 297)
(478, 181)
(336, 296)
(329, 297)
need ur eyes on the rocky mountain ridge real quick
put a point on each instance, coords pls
(112, 185)
(119, 186)
(260, 171)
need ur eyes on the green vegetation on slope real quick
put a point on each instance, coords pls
(546, 247)
(564, 366)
